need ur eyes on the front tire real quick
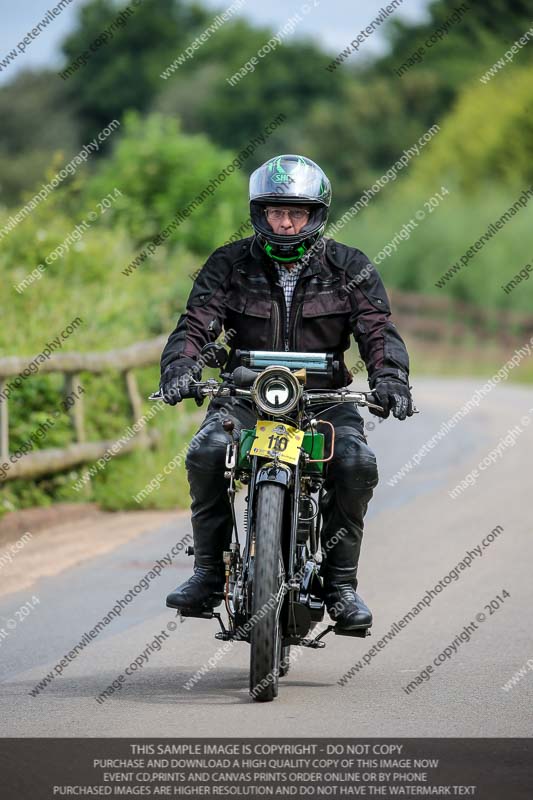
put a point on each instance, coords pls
(265, 636)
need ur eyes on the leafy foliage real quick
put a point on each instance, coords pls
(160, 172)
(123, 73)
(27, 148)
(471, 152)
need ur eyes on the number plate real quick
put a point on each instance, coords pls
(277, 439)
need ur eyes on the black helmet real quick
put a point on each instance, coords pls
(289, 180)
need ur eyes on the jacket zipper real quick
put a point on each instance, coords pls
(275, 310)
(293, 335)
(294, 332)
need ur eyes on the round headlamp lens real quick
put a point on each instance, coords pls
(276, 390)
(277, 393)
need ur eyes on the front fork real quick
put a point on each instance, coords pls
(238, 570)
(301, 585)
(232, 557)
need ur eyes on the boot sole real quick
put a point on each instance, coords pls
(198, 613)
(352, 627)
(198, 609)
(361, 632)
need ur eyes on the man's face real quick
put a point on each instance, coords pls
(287, 220)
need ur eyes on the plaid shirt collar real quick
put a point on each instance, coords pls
(288, 276)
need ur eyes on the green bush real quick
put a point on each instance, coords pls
(442, 238)
(485, 175)
(487, 138)
(160, 171)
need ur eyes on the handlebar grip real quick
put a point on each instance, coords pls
(189, 392)
(192, 392)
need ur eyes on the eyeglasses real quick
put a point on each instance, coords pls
(295, 214)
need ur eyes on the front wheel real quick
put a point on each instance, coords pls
(269, 574)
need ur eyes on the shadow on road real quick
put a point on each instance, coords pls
(159, 686)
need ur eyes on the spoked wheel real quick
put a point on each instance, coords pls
(265, 636)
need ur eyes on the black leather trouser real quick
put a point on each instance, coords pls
(350, 479)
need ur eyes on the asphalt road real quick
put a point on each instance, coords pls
(415, 535)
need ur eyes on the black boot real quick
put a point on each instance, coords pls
(211, 518)
(212, 527)
(197, 593)
(210, 538)
(346, 607)
(341, 545)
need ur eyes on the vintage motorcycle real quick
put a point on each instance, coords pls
(273, 590)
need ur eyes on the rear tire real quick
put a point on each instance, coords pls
(269, 575)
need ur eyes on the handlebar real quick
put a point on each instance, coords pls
(212, 388)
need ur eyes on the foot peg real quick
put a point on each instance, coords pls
(316, 643)
(199, 613)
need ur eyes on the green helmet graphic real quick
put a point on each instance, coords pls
(289, 180)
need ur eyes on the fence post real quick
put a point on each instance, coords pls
(135, 402)
(72, 385)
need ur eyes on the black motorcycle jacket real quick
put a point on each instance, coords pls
(339, 292)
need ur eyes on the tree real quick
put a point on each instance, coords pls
(124, 73)
(27, 148)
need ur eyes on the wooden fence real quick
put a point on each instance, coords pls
(443, 320)
(47, 461)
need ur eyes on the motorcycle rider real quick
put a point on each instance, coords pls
(288, 288)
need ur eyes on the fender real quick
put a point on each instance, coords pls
(274, 473)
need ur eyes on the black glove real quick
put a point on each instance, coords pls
(177, 378)
(392, 394)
